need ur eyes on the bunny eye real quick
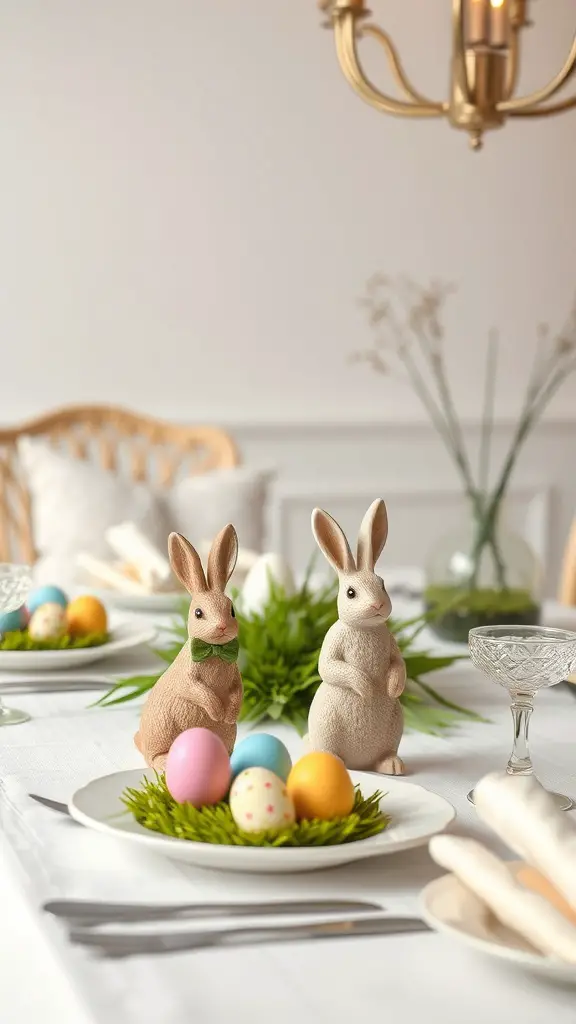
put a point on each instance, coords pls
(232, 612)
(381, 581)
(198, 613)
(350, 592)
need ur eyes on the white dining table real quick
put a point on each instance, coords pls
(417, 977)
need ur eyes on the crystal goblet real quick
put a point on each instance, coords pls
(523, 659)
(15, 583)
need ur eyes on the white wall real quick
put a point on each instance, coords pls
(192, 198)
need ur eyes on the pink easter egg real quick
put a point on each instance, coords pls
(198, 768)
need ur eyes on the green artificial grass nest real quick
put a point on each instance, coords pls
(154, 808)
(20, 640)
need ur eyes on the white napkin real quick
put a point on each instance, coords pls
(489, 878)
(134, 548)
(526, 818)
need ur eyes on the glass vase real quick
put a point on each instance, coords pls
(483, 574)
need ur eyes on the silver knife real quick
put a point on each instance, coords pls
(54, 684)
(87, 913)
(122, 945)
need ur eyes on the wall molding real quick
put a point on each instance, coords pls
(343, 466)
(300, 498)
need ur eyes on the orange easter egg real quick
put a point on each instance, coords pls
(86, 615)
(320, 787)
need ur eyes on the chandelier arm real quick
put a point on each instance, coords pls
(345, 36)
(546, 110)
(533, 99)
(395, 63)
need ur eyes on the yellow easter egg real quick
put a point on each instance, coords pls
(320, 787)
(86, 615)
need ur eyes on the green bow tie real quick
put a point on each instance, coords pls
(226, 652)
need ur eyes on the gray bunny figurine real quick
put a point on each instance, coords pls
(356, 713)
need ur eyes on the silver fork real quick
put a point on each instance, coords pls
(123, 945)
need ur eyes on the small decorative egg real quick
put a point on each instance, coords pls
(85, 615)
(198, 768)
(267, 569)
(260, 750)
(45, 595)
(48, 622)
(320, 787)
(259, 801)
(12, 621)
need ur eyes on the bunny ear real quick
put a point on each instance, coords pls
(222, 558)
(372, 535)
(331, 540)
(186, 563)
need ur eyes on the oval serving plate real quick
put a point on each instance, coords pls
(416, 814)
(122, 638)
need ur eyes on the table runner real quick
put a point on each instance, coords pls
(67, 743)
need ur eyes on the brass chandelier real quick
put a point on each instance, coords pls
(484, 66)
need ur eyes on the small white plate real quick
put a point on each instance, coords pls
(442, 903)
(416, 815)
(121, 639)
(168, 601)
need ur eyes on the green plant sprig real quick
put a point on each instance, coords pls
(279, 651)
(20, 640)
(154, 808)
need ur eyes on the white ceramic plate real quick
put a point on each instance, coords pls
(121, 639)
(441, 906)
(416, 814)
(161, 602)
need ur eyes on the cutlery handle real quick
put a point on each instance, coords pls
(121, 945)
(88, 913)
(325, 930)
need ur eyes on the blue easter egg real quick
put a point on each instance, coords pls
(260, 750)
(45, 595)
(11, 621)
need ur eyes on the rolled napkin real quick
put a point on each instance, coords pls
(525, 816)
(525, 912)
(133, 547)
(109, 575)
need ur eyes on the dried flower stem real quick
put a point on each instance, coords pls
(416, 342)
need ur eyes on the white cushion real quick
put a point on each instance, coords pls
(199, 506)
(74, 502)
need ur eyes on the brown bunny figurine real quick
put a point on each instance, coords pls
(356, 713)
(202, 686)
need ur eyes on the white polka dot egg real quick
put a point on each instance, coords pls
(259, 801)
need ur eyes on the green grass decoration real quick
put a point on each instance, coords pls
(154, 808)
(279, 650)
(20, 640)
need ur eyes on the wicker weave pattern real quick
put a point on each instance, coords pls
(150, 450)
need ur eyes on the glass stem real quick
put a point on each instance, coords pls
(520, 762)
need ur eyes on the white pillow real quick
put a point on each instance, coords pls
(75, 501)
(73, 504)
(199, 506)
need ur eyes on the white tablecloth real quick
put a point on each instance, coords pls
(417, 977)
